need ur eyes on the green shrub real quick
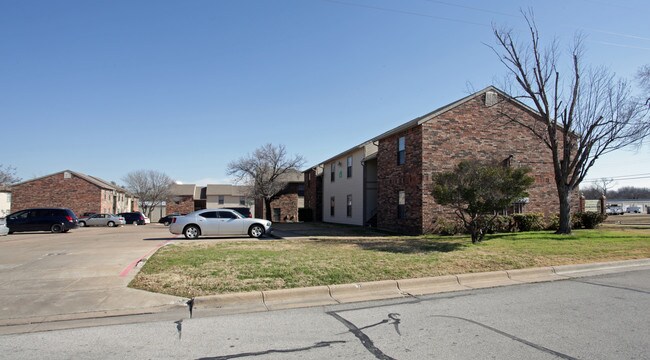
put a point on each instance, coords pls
(446, 227)
(590, 219)
(529, 221)
(576, 221)
(501, 224)
(553, 222)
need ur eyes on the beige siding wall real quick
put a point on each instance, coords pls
(341, 187)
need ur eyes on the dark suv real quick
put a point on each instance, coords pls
(135, 217)
(55, 220)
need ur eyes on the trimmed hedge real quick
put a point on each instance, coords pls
(529, 222)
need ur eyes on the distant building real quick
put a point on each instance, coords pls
(70, 189)
(286, 206)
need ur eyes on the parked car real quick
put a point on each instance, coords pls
(166, 220)
(56, 220)
(210, 222)
(633, 209)
(242, 210)
(109, 220)
(614, 210)
(134, 217)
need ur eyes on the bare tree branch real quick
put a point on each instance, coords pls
(586, 116)
(265, 171)
(150, 186)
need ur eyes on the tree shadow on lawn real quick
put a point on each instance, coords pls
(401, 246)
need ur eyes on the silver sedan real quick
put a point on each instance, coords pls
(210, 222)
(109, 220)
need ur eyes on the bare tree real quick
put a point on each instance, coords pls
(151, 186)
(604, 184)
(643, 76)
(583, 114)
(265, 172)
(8, 175)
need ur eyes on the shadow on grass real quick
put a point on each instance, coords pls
(401, 246)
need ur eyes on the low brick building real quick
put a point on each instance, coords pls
(287, 204)
(400, 172)
(69, 189)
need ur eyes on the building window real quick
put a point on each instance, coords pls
(401, 205)
(333, 172)
(242, 200)
(401, 150)
(301, 190)
(332, 206)
(349, 206)
(349, 166)
(221, 199)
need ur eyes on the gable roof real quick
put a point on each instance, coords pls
(424, 118)
(226, 189)
(103, 184)
(183, 189)
(427, 117)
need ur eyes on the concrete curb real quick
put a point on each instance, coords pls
(581, 270)
(389, 289)
(534, 275)
(486, 279)
(430, 285)
(232, 303)
(375, 290)
(299, 297)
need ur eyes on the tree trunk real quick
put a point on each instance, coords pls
(565, 210)
(267, 206)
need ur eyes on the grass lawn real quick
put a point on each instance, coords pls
(196, 269)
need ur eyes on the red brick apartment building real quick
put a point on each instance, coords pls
(79, 192)
(396, 167)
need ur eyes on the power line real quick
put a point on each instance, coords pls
(621, 178)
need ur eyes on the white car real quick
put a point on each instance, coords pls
(109, 220)
(210, 222)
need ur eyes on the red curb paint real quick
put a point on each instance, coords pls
(130, 267)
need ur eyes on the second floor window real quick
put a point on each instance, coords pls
(332, 172)
(349, 166)
(401, 150)
(221, 199)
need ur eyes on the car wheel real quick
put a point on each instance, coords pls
(192, 232)
(110, 224)
(82, 223)
(166, 223)
(255, 231)
(56, 228)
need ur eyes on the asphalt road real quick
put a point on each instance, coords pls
(599, 317)
(45, 275)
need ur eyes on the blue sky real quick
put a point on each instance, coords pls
(184, 87)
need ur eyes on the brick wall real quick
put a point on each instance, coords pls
(286, 201)
(392, 178)
(314, 194)
(468, 131)
(184, 206)
(54, 191)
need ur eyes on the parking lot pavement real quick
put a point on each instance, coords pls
(83, 273)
